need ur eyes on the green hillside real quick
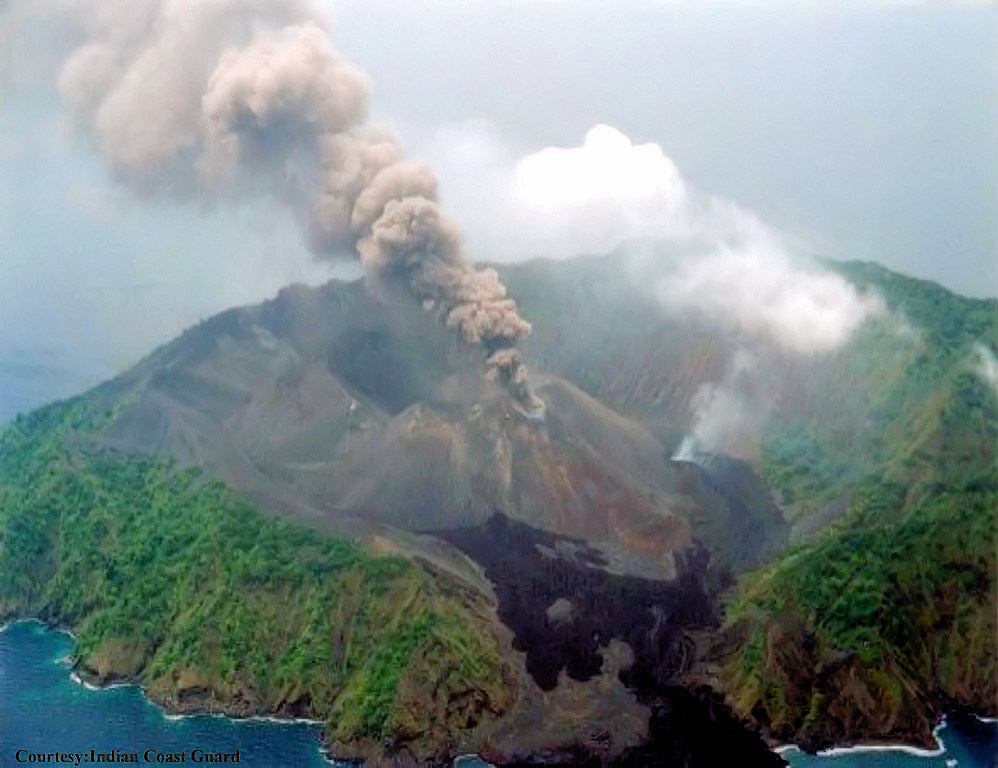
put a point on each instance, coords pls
(902, 403)
(873, 626)
(885, 459)
(167, 579)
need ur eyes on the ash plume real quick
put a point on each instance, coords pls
(224, 100)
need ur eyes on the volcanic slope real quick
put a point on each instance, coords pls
(355, 415)
(364, 419)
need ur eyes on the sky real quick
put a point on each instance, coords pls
(859, 130)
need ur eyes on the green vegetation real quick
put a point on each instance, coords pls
(892, 605)
(902, 403)
(904, 598)
(169, 579)
(884, 455)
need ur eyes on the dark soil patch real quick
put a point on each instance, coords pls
(563, 607)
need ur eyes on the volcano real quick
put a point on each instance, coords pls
(362, 416)
(586, 549)
(548, 544)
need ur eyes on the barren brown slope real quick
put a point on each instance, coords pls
(354, 414)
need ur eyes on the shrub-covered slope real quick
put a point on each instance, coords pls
(170, 581)
(870, 628)
(903, 403)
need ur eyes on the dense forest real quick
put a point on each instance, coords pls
(167, 578)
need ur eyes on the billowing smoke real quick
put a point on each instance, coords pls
(742, 278)
(987, 366)
(220, 100)
(724, 263)
(592, 198)
(727, 414)
(759, 289)
(711, 261)
(712, 258)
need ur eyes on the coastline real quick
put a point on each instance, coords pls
(905, 748)
(171, 715)
(81, 679)
(160, 706)
(79, 676)
(939, 751)
(860, 748)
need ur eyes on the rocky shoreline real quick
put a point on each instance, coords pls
(667, 743)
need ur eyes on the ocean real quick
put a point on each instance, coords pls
(43, 710)
(964, 742)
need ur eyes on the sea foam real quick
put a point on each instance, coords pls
(860, 748)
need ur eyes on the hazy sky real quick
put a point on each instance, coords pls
(871, 130)
(864, 130)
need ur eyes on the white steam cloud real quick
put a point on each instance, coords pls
(724, 265)
(734, 269)
(596, 196)
(717, 262)
(727, 265)
(759, 289)
(729, 413)
(987, 366)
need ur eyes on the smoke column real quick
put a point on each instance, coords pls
(987, 366)
(217, 100)
(728, 415)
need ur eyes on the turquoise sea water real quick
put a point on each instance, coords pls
(42, 710)
(965, 742)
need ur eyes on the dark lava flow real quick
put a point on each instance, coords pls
(562, 607)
